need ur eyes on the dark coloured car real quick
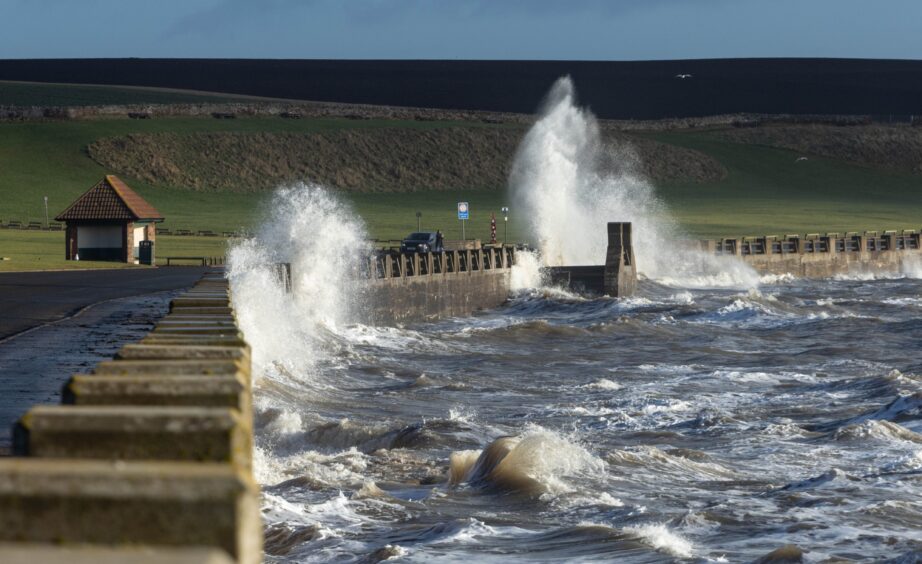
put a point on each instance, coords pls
(421, 242)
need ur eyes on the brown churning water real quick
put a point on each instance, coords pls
(716, 416)
(684, 424)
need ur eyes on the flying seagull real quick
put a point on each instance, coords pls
(683, 76)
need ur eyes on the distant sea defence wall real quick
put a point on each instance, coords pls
(822, 256)
(404, 288)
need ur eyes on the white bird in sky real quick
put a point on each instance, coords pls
(683, 76)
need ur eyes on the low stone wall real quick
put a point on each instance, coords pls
(149, 457)
(426, 286)
(823, 256)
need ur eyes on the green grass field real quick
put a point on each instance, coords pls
(44, 250)
(766, 189)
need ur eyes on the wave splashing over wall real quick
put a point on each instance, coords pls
(569, 186)
(323, 241)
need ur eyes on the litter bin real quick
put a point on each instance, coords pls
(146, 252)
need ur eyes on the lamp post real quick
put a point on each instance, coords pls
(505, 211)
(419, 214)
(46, 212)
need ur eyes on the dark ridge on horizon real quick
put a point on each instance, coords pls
(613, 90)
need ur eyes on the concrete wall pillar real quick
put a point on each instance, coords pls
(891, 241)
(128, 242)
(70, 242)
(620, 272)
(737, 246)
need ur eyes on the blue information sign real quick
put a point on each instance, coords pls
(463, 210)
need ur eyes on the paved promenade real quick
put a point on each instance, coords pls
(34, 366)
(28, 299)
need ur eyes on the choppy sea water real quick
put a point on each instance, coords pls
(679, 425)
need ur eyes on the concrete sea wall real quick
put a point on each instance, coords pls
(616, 278)
(822, 256)
(149, 456)
(425, 286)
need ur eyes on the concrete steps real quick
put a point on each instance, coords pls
(148, 459)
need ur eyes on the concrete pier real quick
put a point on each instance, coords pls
(149, 457)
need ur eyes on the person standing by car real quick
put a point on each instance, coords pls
(438, 242)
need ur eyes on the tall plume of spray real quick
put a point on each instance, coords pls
(570, 186)
(323, 241)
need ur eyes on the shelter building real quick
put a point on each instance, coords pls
(109, 222)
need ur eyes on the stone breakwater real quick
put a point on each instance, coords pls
(149, 456)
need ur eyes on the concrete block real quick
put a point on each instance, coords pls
(130, 503)
(208, 434)
(202, 310)
(196, 340)
(33, 553)
(193, 352)
(204, 321)
(202, 329)
(217, 391)
(199, 302)
(172, 367)
(216, 320)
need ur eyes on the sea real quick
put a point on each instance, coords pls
(715, 416)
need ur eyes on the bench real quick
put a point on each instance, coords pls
(197, 259)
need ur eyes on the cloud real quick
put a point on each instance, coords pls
(224, 16)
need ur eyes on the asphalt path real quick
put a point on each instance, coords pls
(31, 299)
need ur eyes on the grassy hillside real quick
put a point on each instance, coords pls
(717, 183)
(50, 159)
(402, 157)
(36, 94)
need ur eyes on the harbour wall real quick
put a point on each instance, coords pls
(822, 256)
(149, 457)
(403, 287)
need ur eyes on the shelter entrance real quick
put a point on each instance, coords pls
(99, 242)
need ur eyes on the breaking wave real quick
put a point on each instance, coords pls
(309, 229)
(535, 463)
(570, 186)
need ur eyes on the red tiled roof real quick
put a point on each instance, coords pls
(109, 199)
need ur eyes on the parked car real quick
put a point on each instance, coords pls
(421, 242)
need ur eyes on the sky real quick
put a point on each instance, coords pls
(458, 29)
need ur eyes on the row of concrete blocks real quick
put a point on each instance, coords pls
(869, 241)
(394, 264)
(149, 457)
